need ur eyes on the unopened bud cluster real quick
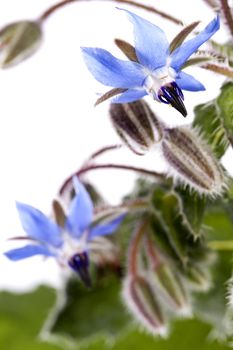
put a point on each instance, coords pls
(142, 302)
(152, 287)
(189, 158)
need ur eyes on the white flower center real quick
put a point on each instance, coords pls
(158, 78)
(72, 246)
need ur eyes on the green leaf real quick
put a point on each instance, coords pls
(208, 121)
(215, 120)
(193, 206)
(225, 104)
(212, 306)
(22, 317)
(186, 334)
(175, 231)
(90, 313)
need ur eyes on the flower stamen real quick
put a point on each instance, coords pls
(80, 264)
(172, 94)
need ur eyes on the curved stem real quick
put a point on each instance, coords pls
(152, 253)
(102, 151)
(88, 168)
(63, 3)
(223, 70)
(227, 14)
(133, 204)
(134, 248)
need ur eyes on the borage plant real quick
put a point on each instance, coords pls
(164, 252)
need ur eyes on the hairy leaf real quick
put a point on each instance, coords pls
(91, 312)
(215, 120)
(22, 317)
(173, 228)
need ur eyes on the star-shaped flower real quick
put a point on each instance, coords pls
(69, 244)
(157, 71)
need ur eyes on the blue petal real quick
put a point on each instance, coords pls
(111, 71)
(188, 82)
(129, 96)
(81, 210)
(106, 229)
(27, 252)
(182, 53)
(150, 42)
(38, 226)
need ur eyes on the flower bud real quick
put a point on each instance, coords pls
(140, 299)
(198, 278)
(191, 161)
(18, 41)
(136, 125)
(171, 288)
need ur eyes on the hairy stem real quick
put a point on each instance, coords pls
(227, 14)
(152, 253)
(63, 3)
(134, 249)
(90, 167)
(227, 71)
(103, 150)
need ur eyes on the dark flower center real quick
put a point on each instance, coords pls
(172, 94)
(80, 264)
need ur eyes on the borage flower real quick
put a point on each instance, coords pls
(68, 243)
(157, 70)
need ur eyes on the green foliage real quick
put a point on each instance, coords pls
(89, 313)
(21, 318)
(174, 228)
(215, 120)
(212, 306)
(225, 104)
(19, 326)
(193, 207)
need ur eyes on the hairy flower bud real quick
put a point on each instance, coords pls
(191, 161)
(140, 299)
(171, 288)
(198, 278)
(18, 41)
(136, 125)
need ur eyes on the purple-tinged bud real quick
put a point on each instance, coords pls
(171, 288)
(18, 41)
(141, 301)
(191, 161)
(137, 125)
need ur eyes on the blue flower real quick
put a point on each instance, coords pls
(157, 72)
(70, 244)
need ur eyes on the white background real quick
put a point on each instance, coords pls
(49, 125)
